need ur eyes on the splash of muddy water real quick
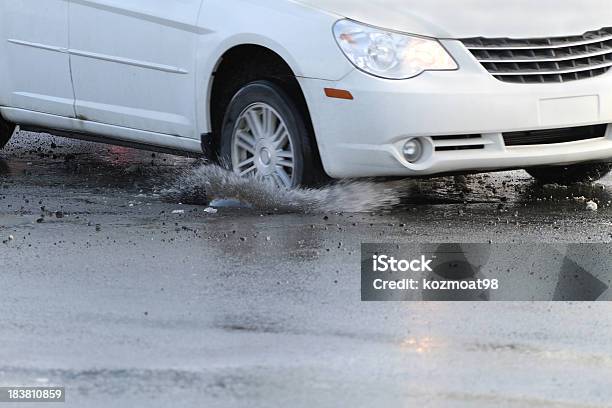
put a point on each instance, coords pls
(209, 182)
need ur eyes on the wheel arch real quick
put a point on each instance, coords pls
(210, 59)
(267, 61)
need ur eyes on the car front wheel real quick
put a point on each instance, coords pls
(564, 175)
(265, 135)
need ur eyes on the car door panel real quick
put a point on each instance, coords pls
(133, 63)
(35, 59)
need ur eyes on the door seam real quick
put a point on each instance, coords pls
(74, 100)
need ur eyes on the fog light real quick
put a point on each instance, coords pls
(413, 150)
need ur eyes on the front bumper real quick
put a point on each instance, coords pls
(364, 137)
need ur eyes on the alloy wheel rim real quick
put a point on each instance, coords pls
(262, 146)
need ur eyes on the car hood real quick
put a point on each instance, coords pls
(476, 18)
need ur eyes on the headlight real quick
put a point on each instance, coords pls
(388, 54)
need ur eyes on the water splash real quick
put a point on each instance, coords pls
(210, 182)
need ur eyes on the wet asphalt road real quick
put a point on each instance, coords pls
(105, 291)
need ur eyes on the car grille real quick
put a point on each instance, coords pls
(545, 60)
(550, 136)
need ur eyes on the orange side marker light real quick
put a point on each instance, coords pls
(338, 94)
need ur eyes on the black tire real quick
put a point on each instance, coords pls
(6, 132)
(565, 175)
(308, 170)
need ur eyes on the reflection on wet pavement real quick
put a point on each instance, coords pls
(38, 158)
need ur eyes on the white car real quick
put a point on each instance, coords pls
(292, 91)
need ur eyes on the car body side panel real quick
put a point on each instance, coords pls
(133, 63)
(34, 62)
